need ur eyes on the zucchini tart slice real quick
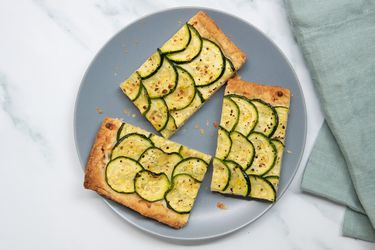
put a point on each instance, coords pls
(251, 140)
(175, 81)
(158, 178)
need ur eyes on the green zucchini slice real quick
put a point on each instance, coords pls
(282, 114)
(163, 81)
(183, 193)
(277, 166)
(170, 128)
(191, 51)
(267, 118)
(157, 161)
(120, 173)
(165, 145)
(132, 86)
(126, 128)
(224, 143)
(242, 150)
(274, 180)
(142, 102)
(229, 114)
(179, 41)
(150, 186)
(180, 116)
(265, 154)
(261, 188)
(158, 114)
(208, 91)
(239, 183)
(188, 153)
(220, 176)
(208, 66)
(184, 92)
(248, 115)
(192, 166)
(131, 145)
(151, 65)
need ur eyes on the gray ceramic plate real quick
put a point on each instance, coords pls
(126, 51)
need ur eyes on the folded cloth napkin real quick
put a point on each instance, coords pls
(337, 39)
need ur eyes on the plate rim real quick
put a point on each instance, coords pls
(280, 195)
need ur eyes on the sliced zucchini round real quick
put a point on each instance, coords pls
(180, 116)
(229, 114)
(208, 91)
(163, 81)
(267, 118)
(151, 65)
(165, 145)
(192, 166)
(220, 176)
(261, 189)
(191, 51)
(184, 92)
(239, 183)
(277, 166)
(120, 173)
(183, 193)
(282, 114)
(158, 114)
(150, 186)
(248, 117)
(265, 154)
(126, 128)
(157, 161)
(186, 152)
(170, 128)
(224, 143)
(142, 102)
(131, 145)
(242, 150)
(208, 66)
(179, 41)
(132, 86)
(274, 180)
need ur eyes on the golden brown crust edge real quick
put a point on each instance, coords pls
(95, 179)
(274, 95)
(207, 28)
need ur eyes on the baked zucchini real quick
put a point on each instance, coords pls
(120, 173)
(192, 166)
(180, 116)
(265, 154)
(267, 118)
(163, 81)
(274, 180)
(132, 86)
(208, 66)
(229, 114)
(239, 183)
(220, 175)
(158, 114)
(282, 114)
(186, 152)
(165, 145)
(261, 189)
(224, 144)
(277, 166)
(179, 41)
(184, 92)
(191, 51)
(131, 145)
(151, 65)
(242, 150)
(183, 193)
(126, 128)
(248, 115)
(170, 128)
(150, 186)
(142, 102)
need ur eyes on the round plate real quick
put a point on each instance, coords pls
(126, 51)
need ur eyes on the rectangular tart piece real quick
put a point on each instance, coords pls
(158, 178)
(182, 74)
(250, 140)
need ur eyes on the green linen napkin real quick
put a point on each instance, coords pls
(337, 38)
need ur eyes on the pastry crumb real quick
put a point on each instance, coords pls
(289, 151)
(221, 205)
(216, 124)
(126, 111)
(201, 131)
(196, 126)
(134, 115)
(99, 110)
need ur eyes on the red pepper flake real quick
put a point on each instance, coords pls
(216, 124)
(221, 205)
(109, 126)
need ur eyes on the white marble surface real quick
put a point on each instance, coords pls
(45, 47)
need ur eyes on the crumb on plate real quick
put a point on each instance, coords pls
(221, 205)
